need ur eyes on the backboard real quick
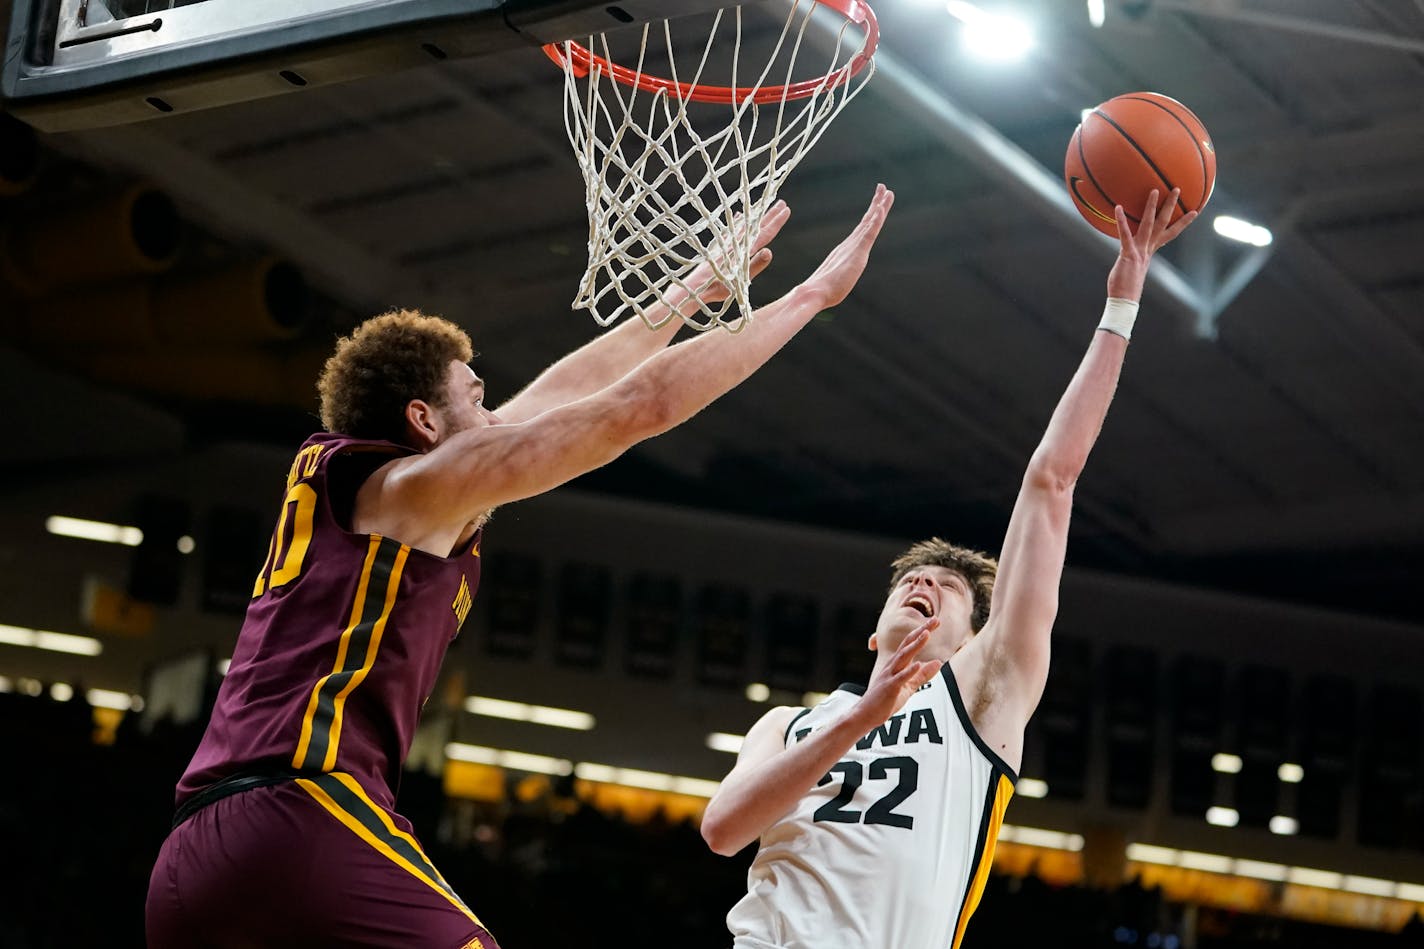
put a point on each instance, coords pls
(74, 64)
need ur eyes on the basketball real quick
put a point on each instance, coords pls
(1131, 144)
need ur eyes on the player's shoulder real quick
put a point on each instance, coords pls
(334, 443)
(777, 717)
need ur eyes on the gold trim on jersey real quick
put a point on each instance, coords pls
(1003, 789)
(370, 610)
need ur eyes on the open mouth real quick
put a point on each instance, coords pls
(920, 605)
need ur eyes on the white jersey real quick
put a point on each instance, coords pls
(892, 848)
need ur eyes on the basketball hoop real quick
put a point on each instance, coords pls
(670, 182)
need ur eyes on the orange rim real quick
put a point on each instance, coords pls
(584, 60)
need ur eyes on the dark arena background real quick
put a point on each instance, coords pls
(1229, 751)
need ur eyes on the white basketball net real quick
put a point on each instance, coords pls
(664, 196)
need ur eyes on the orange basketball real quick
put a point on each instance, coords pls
(1131, 144)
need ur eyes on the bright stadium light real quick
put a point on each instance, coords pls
(1097, 12)
(118, 701)
(1285, 826)
(94, 530)
(1290, 773)
(1235, 229)
(50, 641)
(1031, 787)
(724, 741)
(514, 760)
(994, 36)
(1222, 817)
(525, 712)
(1226, 763)
(758, 692)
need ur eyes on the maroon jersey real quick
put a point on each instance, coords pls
(343, 638)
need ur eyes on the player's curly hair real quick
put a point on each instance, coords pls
(978, 568)
(388, 361)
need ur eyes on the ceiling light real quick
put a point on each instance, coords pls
(108, 698)
(524, 712)
(514, 760)
(993, 36)
(723, 741)
(1285, 826)
(1222, 817)
(186, 544)
(1147, 853)
(1290, 773)
(53, 642)
(1031, 787)
(650, 780)
(1097, 12)
(758, 692)
(1210, 862)
(1370, 886)
(1321, 878)
(61, 691)
(1038, 837)
(94, 530)
(1225, 763)
(1233, 228)
(1261, 871)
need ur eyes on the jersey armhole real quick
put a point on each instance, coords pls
(786, 736)
(969, 729)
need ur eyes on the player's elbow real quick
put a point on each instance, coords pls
(720, 838)
(1051, 474)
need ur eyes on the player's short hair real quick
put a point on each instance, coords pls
(976, 567)
(388, 361)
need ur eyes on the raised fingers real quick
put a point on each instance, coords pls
(913, 643)
(760, 261)
(1177, 227)
(772, 223)
(1168, 208)
(874, 217)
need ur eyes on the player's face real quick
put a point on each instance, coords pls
(464, 406)
(921, 593)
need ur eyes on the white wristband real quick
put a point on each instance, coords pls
(1118, 317)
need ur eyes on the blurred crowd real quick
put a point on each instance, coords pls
(81, 823)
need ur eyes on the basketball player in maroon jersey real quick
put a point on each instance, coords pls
(286, 833)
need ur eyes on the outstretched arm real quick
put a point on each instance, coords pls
(770, 777)
(1025, 600)
(603, 361)
(434, 495)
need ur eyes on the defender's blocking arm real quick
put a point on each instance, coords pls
(603, 361)
(479, 469)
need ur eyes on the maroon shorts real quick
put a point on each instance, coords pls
(309, 863)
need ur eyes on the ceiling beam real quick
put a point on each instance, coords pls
(1233, 10)
(1007, 164)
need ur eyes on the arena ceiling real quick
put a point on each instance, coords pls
(1270, 445)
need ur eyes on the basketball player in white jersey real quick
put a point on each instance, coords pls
(878, 809)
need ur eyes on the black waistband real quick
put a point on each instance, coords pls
(235, 784)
